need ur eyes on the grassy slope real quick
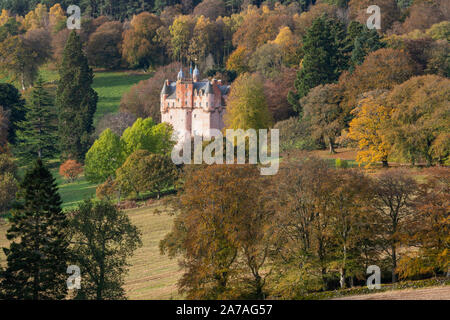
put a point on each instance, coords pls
(151, 276)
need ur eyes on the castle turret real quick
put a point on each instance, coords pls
(195, 74)
(180, 75)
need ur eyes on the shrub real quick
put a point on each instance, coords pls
(341, 164)
(107, 190)
(70, 170)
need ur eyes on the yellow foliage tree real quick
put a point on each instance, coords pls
(368, 129)
(4, 16)
(56, 15)
(289, 43)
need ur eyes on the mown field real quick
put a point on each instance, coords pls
(151, 275)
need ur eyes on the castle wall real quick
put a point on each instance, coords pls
(191, 113)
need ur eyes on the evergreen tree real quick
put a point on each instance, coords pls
(361, 41)
(324, 47)
(38, 254)
(37, 135)
(11, 101)
(76, 101)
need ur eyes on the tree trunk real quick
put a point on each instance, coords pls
(385, 164)
(394, 264)
(332, 151)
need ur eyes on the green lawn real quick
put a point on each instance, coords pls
(110, 87)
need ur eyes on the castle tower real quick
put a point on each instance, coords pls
(193, 107)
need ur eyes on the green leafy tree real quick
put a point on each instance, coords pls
(146, 135)
(322, 110)
(38, 255)
(130, 177)
(144, 171)
(104, 239)
(324, 57)
(104, 157)
(38, 133)
(76, 101)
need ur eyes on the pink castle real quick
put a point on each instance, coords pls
(193, 107)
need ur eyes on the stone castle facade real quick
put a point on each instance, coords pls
(193, 107)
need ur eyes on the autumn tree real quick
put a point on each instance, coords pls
(393, 193)
(276, 90)
(181, 32)
(303, 226)
(211, 9)
(422, 15)
(382, 69)
(247, 106)
(349, 204)
(369, 128)
(159, 173)
(104, 46)
(22, 55)
(420, 119)
(144, 171)
(267, 60)
(321, 108)
(304, 21)
(130, 177)
(144, 98)
(70, 170)
(221, 229)
(430, 229)
(104, 239)
(116, 122)
(141, 47)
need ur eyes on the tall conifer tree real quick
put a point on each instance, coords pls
(76, 101)
(38, 254)
(324, 46)
(37, 135)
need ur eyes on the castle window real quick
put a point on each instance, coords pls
(195, 116)
(207, 104)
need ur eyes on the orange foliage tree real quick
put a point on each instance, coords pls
(70, 169)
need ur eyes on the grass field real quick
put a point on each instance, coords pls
(110, 87)
(151, 275)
